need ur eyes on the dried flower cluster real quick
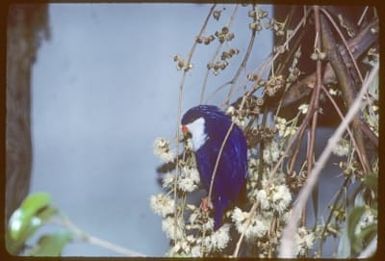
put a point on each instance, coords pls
(257, 14)
(274, 84)
(181, 64)
(294, 71)
(162, 149)
(274, 177)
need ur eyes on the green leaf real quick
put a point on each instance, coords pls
(364, 237)
(23, 217)
(354, 218)
(51, 244)
(371, 181)
(33, 213)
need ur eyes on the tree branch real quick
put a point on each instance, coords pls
(287, 241)
(346, 84)
(359, 44)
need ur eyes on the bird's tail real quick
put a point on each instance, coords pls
(220, 206)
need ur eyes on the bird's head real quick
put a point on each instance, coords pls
(201, 122)
(194, 125)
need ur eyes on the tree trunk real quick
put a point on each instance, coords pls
(27, 24)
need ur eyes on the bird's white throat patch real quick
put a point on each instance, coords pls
(198, 135)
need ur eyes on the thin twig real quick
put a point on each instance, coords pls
(269, 60)
(342, 117)
(251, 216)
(326, 13)
(85, 237)
(229, 24)
(180, 109)
(287, 241)
(243, 63)
(362, 16)
(333, 208)
(291, 142)
(346, 83)
(358, 45)
(312, 134)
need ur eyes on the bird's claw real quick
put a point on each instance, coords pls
(206, 204)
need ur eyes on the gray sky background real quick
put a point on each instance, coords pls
(104, 87)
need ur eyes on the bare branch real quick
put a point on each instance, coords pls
(85, 237)
(287, 241)
(181, 86)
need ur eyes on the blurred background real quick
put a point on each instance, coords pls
(104, 86)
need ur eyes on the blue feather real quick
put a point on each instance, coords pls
(232, 168)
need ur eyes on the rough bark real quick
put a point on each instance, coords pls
(26, 26)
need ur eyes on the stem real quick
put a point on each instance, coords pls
(229, 24)
(287, 241)
(342, 117)
(312, 134)
(337, 199)
(181, 86)
(361, 42)
(243, 63)
(85, 237)
(346, 84)
(362, 16)
(331, 20)
(251, 215)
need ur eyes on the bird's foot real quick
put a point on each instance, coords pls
(206, 204)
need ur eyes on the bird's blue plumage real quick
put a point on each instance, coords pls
(232, 169)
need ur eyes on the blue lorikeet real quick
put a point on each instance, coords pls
(208, 126)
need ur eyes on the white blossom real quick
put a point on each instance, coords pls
(303, 108)
(262, 199)
(182, 245)
(162, 150)
(194, 216)
(290, 131)
(162, 204)
(342, 148)
(168, 180)
(238, 216)
(271, 153)
(220, 238)
(189, 179)
(281, 198)
(209, 225)
(230, 110)
(280, 125)
(283, 129)
(273, 196)
(258, 227)
(333, 92)
(196, 251)
(304, 241)
(239, 121)
(189, 145)
(172, 230)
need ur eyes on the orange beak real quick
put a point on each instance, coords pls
(184, 129)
